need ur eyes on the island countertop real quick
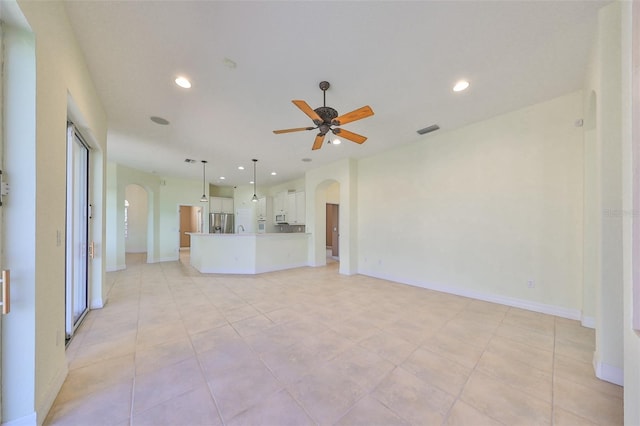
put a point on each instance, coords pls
(248, 253)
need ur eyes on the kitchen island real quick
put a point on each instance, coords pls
(248, 253)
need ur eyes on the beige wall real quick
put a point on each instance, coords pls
(482, 210)
(631, 203)
(64, 89)
(137, 214)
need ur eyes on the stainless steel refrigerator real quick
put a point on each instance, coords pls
(221, 223)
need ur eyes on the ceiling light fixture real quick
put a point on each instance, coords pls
(203, 199)
(240, 168)
(183, 82)
(273, 173)
(336, 141)
(255, 197)
(461, 85)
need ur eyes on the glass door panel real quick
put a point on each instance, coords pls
(77, 237)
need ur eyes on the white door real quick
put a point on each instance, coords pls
(77, 238)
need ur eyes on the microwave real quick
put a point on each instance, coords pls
(281, 218)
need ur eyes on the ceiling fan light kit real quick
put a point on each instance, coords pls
(326, 119)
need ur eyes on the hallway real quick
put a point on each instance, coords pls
(310, 346)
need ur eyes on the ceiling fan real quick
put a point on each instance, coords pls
(326, 119)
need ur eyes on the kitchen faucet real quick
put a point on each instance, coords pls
(240, 228)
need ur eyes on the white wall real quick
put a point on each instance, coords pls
(333, 194)
(137, 214)
(317, 183)
(630, 90)
(482, 210)
(164, 196)
(174, 193)
(34, 365)
(603, 195)
(19, 236)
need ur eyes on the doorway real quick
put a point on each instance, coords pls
(77, 231)
(190, 221)
(333, 231)
(136, 214)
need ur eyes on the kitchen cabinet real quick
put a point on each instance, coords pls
(296, 209)
(280, 204)
(221, 205)
(261, 209)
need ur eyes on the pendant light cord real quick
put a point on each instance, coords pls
(204, 194)
(255, 197)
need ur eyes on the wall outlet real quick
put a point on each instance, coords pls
(531, 283)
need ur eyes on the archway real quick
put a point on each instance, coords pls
(136, 224)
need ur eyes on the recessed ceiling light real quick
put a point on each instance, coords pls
(189, 160)
(273, 173)
(306, 160)
(240, 168)
(183, 82)
(336, 141)
(250, 182)
(461, 85)
(159, 120)
(222, 178)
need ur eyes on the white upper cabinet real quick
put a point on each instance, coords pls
(221, 205)
(261, 209)
(296, 209)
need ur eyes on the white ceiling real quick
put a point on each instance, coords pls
(401, 58)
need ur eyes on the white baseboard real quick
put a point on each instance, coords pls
(51, 393)
(29, 420)
(589, 322)
(115, 268)
(97, 303)
(609, 373)
(164, 259)
(529, 305)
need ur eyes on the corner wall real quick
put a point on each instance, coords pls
(603, 209)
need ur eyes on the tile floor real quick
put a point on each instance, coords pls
(309, 346)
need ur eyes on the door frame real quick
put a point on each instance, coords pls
(85, 248)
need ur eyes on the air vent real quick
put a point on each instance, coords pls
(159, 120)
(189, 160)
(429, 129)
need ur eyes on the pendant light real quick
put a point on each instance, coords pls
(203, 199)
(255, 197)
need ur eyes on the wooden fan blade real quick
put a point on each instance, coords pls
(357, 114)
(354, 137)
(304, 107)
(317, 144)
(298, 129)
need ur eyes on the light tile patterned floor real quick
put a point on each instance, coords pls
(310, 346)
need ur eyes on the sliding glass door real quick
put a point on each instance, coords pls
(77, 238)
